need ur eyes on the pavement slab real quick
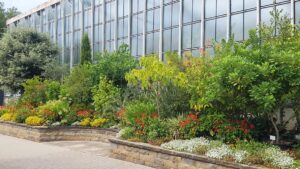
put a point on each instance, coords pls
(23, 154)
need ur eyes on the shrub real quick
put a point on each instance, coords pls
(24, 54)
(23, 112)
(98, 122)
(137, 112)
(126, 133)
(77, 87)
(154, 76)
(157, 129)
(37, 91)
(54, 111)
(34, 121)
(106, 96)
(85, 122)
(85, 50)
(115, 65)
(8, 117)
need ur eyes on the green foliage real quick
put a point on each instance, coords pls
(85, 51)
(23, 112)
(77, 87)
(154, 76)
(157, 129)
(138, 111)
(37, 91)
(115, 65)
(24, 54)
(53, 111)
(106, 96)
(251, 79)
(6, 14)
(56, 71)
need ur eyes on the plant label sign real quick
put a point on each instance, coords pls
(272, 138)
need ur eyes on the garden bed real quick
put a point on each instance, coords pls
(56, 133)
(154, 156)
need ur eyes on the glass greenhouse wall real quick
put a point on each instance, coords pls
(149, 26)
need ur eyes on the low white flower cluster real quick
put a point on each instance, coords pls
(213, 151)
(186, 145)
(219, 150)
(278, 158)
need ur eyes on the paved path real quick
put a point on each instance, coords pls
(23, 154)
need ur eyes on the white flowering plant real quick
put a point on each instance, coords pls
(240, 153)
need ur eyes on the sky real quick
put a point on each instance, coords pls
(22, 5)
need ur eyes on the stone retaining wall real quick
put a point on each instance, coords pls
(59, 133)
(154, 156)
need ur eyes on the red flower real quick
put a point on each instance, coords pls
(84, 113)
(252, 126)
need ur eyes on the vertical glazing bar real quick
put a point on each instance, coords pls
(202, 43)
(55, 24)
(103, 25)
(180, 27)
(228, 20)
(144, 28)
(41, 20)
(258, 18)
(129, 24)
(116, 25)
(92, 27)
(72, 37)
(292, 12)
(82, 17)
(62, 8)
(161, 30)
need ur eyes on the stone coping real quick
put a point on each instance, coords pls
(184, 155)
(56, 133)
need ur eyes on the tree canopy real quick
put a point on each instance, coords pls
(24, 54)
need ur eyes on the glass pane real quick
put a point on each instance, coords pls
(222, 7)
(237, 5)
(175, 14)
(196, 35)
(237, 27)
(156, 19)
(197, 6)
(175, 40)
(140, 23)
(150, 20)
(266, 16)
(167, 16)
(187, 11)
(250, 4)
(266, 2)
(149, 43)
(167, 40)
(211, 5)
(286, 9)
(250, 17)
(221, 29)
(297, 9)
(187, 37)
(210, 32)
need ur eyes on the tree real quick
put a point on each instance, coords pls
(115, 65)
(6, 14)
(24, 54)
(86, 53)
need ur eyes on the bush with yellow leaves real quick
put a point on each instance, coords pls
(34, 121)
(98, 122)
